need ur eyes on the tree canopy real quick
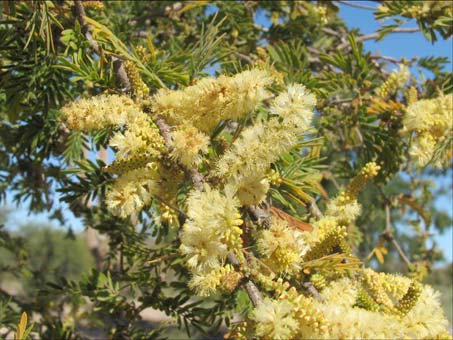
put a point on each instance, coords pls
(244, 180)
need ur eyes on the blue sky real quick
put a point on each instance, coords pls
(396, 45)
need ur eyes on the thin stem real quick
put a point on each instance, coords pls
(118, 66)
(401, 252)
(375, 35)
(313, 291)
(388, 222)
(315, 211)
(341, 101)
(243, 57)
(171, 205)
(259, 261)
(386, 58)
(357, 5)
(251, 289)
(198, 182)
(331, 32)
(388, 235)
(160, 259)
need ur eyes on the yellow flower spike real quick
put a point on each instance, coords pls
(364, 300)
(319, 281)
(99, 112)
(96, 5)
(394, 82)
(409, 299)
(121, 166)
(139, 88)
(333, 239)
(369, 171)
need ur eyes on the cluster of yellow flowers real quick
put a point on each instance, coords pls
(210, 233)
(288, 315)
(394, 82)
(212, 100)
(188, 143)
(419, 9)
(99, 112)
(138, 144)
(321, 11)
(141, 138)
(281, 247)
(133, 190)
(342, 312)
(288, 318)
(367, 305)
(345, 208)
(430, 122)
(292, 112)
(422, 318)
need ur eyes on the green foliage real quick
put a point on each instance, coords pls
(47, 61)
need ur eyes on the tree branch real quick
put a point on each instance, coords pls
(356, 5)
(196, 178)
(375, 35)
(243, 57)
(388, 235)
(313, 291)
(118, 66)
(314, 209)
(382, 57)
(198, 182)
(251, 289)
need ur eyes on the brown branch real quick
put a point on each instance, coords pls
(331, 32)
(80, 14)
(243, 57)
(251, 289)
(314, 209)
(253, 293)
(161, 258)
(118, 66)
(198, 182)
(171, 206)
(388, 236)
(375, 35)
(386, 58)
(401, 252)
(164, 129)
(313, 291)
(341, 101)
(356, 5)
(196, 178)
